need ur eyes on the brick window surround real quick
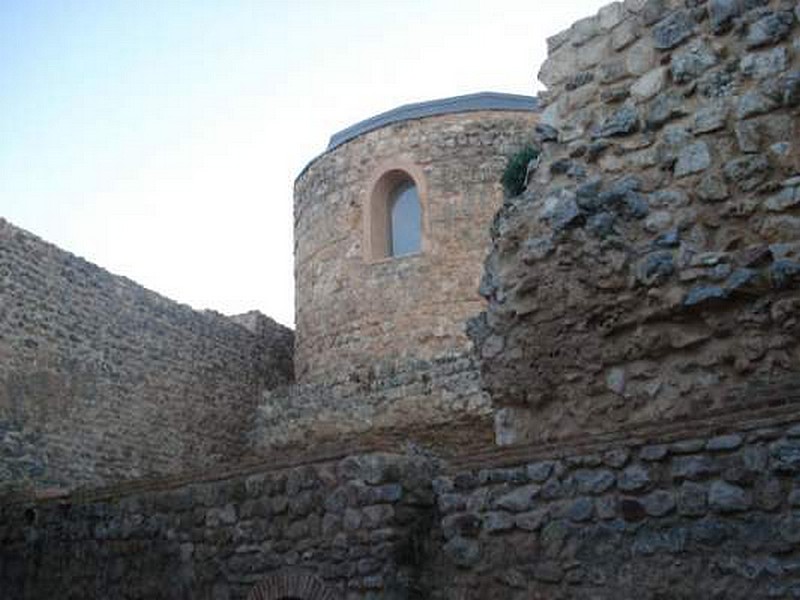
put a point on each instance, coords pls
(292, 585)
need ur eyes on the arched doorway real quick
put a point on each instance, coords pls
(292, 585)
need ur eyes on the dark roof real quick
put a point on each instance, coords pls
(457, 104)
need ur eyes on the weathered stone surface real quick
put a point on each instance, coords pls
(649, 84)
(724, 442)
(692, 62)
(711, 117)
(497, 521)
(722, 12)
(657, 296)
(654, 452)
(346, 337)
(125, 382)
(634, 478)
(769, 29)
(518, 500)
(594, 481)
(560, 210)
(693, 467)
(659, 503)
(581, 509)
(532, 520)
(693, 159)
(655, 269)
(673, 29)
(766, 63)
(622, 122)
(754, 135)
(712, 188)
(785, 456)
(463, 552)
(664, 108)
(748, 171)
(726, 497)
(768, 494)
(540, 471)
(755, 102)
(788, 197)
(692, 499)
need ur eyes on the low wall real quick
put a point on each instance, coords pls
(704, 510)
(102, 380)
(431, 403)
(324, 530)
(700, 509)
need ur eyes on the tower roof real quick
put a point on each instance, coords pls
(430, 108)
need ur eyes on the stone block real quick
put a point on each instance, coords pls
(694, 158)
(725, 497)
(634, 478)
(649, 84)
(673, 29)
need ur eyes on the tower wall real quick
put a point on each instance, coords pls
(356, 312)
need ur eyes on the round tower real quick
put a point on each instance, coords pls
(391, 230)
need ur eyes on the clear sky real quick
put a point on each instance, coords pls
(160, 138)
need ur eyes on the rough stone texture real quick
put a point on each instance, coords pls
(352, 312)
(319, 531)
(102, 380)
(667, 288)
(382, 342)
(641, 330)
(402, 402)
(670, 539)
(540, 521)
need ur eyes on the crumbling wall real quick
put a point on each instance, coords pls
(430, 403)
(329, 528)
(698, 511)
(650, 269)
(102, 380)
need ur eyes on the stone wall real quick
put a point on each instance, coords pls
(353, 312)
(102, 380)
(435, 403)
(700, 509)
(350, 528)
(696, 511)
(650, 270)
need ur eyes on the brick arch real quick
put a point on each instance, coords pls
(292, 585)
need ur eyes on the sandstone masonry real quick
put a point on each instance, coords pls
(639, 349)
(381, 343)
(102, 380)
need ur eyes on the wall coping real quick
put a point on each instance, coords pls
(432, 108)
(479, 101)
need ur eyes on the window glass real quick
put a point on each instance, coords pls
(406, 220)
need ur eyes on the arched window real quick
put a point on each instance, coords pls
(405, 220)
(394, 215)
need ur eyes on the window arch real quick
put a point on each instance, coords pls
(394, 215)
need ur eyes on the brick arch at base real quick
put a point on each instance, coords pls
(292, 585)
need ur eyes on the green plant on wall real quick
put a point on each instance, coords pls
(516, 171)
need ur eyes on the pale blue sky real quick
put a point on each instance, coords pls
(160, 138)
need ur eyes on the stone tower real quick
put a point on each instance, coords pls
(361, 303)
(391, 230)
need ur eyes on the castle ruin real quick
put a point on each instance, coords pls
(616, 417)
